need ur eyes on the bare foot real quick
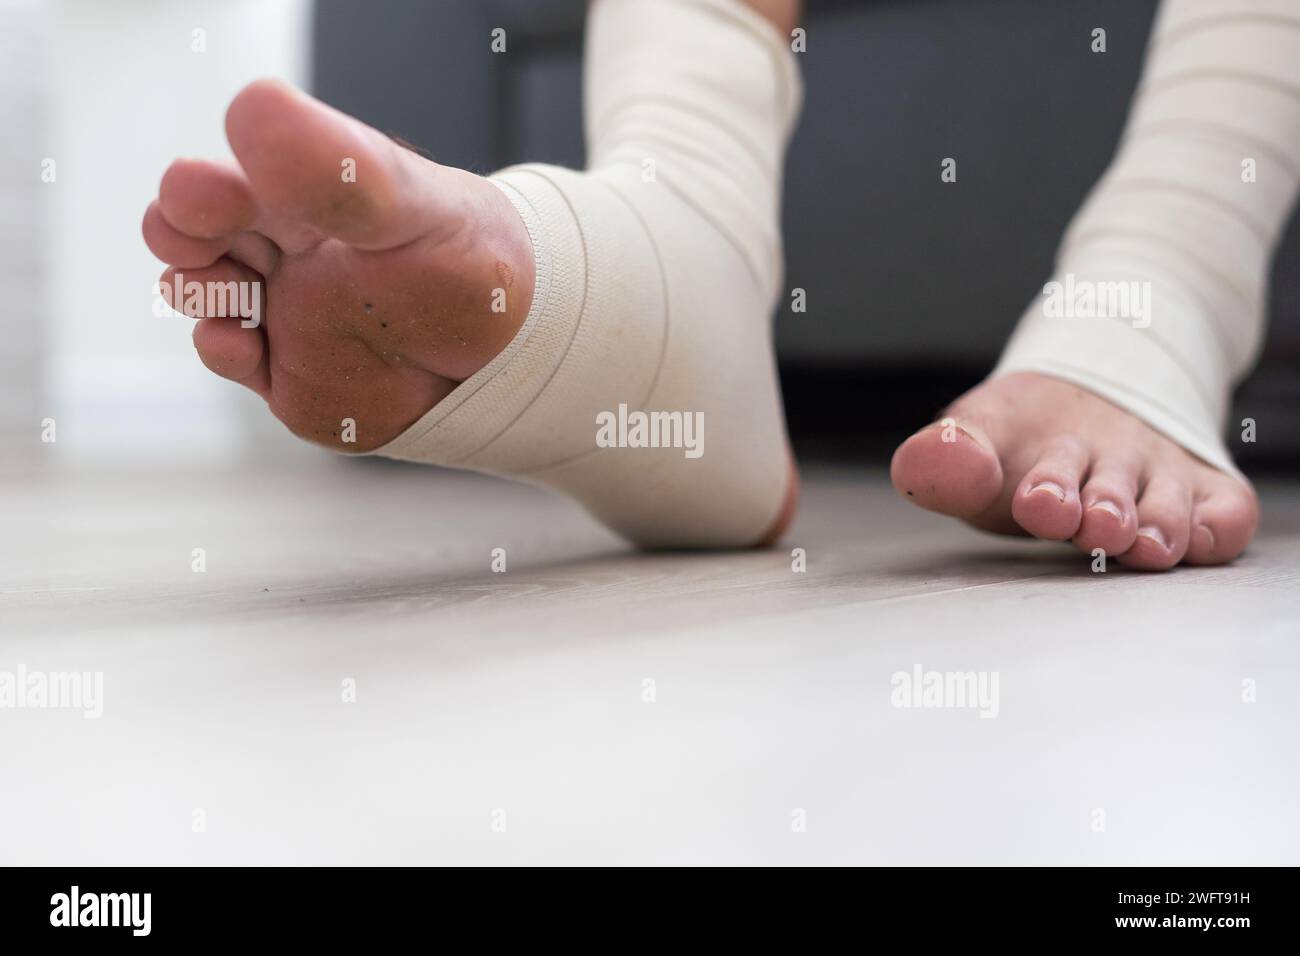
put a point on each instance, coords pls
(1030, 454)
(376, 287)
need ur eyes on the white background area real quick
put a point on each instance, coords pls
(128, 93)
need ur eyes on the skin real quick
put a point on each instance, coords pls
(377, 307)
(1032, 455)
(783, 14)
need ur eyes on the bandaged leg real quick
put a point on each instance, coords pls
(642, 382)
(1102, 425)
(1182, 226)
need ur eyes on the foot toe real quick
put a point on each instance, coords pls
(234, 352)
(308, 161)
(219, 291)
(1046, 503)
(1223, 523)
(225, 343)
(1163, 525)
(1109, 519)
(175, 247)
(205, 199)
(948, 467)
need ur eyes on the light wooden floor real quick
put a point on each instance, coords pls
(520, 698)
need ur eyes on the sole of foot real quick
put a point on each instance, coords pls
(1032, 455)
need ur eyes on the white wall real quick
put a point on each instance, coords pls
(128, 94)
(24, 313)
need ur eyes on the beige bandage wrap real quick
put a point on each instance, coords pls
(1189, 211)
(657, 274)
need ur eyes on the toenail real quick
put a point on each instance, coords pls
(1109, 507)
(1154, 534)
(1209, 535)
(1051, 486)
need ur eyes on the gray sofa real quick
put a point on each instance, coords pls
(912, 285)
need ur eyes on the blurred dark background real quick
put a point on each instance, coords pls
(912, 285)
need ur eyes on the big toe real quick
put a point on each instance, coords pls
(948, 467)
(308, 161)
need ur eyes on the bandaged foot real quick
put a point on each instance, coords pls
(1104, 421)
(604, 333)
